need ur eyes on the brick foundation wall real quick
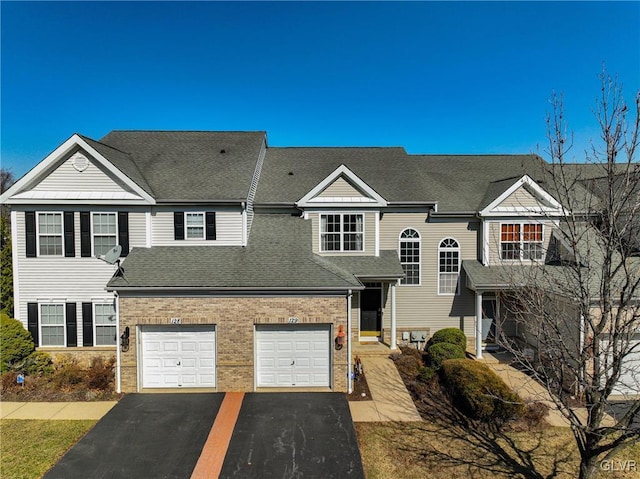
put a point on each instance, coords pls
(235, 319)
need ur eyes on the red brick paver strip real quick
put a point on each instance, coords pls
(211, 459)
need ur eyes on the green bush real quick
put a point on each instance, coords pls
(449, 335)
(480, 393)
(16, 342)
(440, 352)
(38, 363)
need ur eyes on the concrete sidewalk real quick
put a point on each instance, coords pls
(55, 410)
(391, 400)
(531, 390)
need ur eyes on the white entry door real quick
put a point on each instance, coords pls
(293, 355)
(178, 356)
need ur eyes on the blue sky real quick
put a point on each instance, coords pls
(447, 77)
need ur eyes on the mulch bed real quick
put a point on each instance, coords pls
(360, 390)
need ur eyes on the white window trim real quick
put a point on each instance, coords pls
(459, 250)
(342, 232)
(204, 225)
(95, 324)
(419, 240)
(64, 323)
(93, 246)
(521, 258)
(38, 213)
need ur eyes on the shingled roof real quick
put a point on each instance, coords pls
(186, 165)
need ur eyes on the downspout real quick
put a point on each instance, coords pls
(117, 306)
(349, 378)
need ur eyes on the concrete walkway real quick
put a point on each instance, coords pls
(531, 390)
(391, 400)
(55, 410)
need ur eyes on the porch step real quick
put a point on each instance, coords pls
(371, 349)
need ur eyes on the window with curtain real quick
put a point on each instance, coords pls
(341, 232)
(449, 266)
(521, 241)
(410, 256)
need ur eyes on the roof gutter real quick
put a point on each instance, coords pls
(210, 202)
(240, 290)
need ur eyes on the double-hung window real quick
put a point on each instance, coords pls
(50, 234)
(521, 241)
(341, 232)
(410, 256)
(105, 324)
(52, 325)
(194, 225)
(449, 266)
(105, 232)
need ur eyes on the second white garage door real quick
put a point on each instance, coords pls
(293, 356)
(178, 356)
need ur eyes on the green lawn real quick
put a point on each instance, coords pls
(28, 449)
(426, 450)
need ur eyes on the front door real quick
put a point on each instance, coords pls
(371, 310)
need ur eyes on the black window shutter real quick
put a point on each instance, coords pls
(30, 227)
(72, 325)
(85, 234)
(178, 225)
(69, 235)
(123, 232)
(211, 225)
(32, 321)
(87, 324)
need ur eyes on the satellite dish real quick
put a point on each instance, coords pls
(112, 255)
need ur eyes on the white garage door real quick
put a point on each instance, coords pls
(629, 382)
(178, 356)
(293, 356)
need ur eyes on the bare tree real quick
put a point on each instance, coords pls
(580, 310)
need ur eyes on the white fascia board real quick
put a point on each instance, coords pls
(308, 199)
(59, 153)
(555, 208)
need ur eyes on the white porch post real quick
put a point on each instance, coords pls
(393, 316)
(116, 300)
(349, 337)
(479, 324)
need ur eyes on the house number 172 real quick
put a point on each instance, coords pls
(175, 320)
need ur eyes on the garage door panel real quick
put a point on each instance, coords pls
(293, 356)
(629, 381)
(178, 356)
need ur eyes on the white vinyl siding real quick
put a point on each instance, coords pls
(421, 307)
(52, 325)
(67, 178)
(104, 323)
(229, 228)
(49, 233)
(341, 189)
(104, 232)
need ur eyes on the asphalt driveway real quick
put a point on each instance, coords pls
(280, 435)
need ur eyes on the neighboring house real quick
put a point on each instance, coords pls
(243, 265)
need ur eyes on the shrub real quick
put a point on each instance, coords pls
(534, 414)
(409, 362)
(426, 374)
(9, 381)
(16, 342)
(439, 352)
(38, 363)
(100, 374)
(67, 373)
(449, 335)
(480, 393)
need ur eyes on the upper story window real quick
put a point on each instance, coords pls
(521, 241)
(105, 233)
(341, 232)
(195, 225)
(410, 256)
(52, 325)
(50, 234)
(448, 266)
